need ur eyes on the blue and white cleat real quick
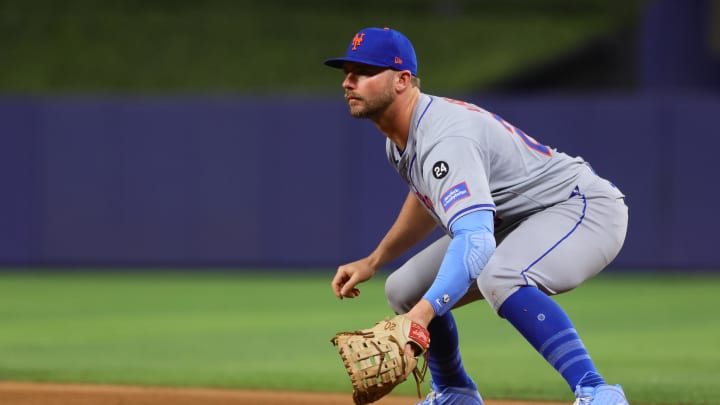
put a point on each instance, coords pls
(600, 395)
(453, 396)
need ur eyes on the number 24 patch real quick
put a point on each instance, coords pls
(440, 169)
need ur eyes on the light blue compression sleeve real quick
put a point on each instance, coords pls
(471, 247)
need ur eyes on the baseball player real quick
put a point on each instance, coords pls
(522, 221)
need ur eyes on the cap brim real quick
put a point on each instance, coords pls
(338, 63)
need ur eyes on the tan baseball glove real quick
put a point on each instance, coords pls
(375, 358)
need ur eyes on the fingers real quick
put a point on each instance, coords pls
(344, 282)
(351, 293)
(349, 290)
(409, 351)
(337, 283)
(348, 276)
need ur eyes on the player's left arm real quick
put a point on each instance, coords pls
(472, 245)
(455, 176)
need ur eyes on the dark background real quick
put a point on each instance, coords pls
(103, 163)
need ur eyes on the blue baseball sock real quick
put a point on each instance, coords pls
(549, 330)
(444, 362)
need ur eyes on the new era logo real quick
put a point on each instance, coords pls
(398, 61)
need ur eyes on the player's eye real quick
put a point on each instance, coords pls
(364, 70)
(369, 71)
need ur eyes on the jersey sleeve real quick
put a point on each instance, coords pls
(455, 172)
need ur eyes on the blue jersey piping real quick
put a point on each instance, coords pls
(576, 192)
(423, 113)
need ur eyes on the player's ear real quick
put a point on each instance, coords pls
(403, 80)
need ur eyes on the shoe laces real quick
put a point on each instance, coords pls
(431, 398)
(583, 398)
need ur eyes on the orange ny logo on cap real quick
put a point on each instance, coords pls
(357, 41)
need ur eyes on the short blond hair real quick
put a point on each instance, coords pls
(415, 81)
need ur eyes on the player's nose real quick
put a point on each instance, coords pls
(349, 81)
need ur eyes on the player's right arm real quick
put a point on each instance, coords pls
(411, 226)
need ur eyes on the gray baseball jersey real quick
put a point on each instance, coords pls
(460, 158)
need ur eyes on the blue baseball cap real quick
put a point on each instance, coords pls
(382, 47)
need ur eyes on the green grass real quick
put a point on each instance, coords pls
(262, 46)
(656, 334)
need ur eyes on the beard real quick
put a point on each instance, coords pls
(361, 107)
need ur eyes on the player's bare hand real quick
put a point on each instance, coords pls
(348, 276)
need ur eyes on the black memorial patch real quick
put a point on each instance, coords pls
(440, 169)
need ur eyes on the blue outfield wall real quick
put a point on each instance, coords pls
(295, 182)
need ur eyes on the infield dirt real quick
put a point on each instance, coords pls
(23, 393)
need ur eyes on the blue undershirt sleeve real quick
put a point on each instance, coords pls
(471, 247)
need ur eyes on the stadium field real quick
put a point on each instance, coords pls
(209, 336)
